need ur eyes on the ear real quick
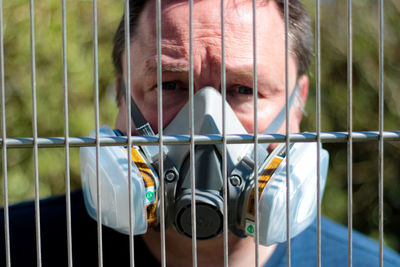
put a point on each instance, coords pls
(303, 83)
(121, 117)
(118, 89)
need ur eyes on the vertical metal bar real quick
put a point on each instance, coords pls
(34, 130)
(4, 136)
(288, 253)
(160, 133)
(66, 133)
(96, 104)
(224, 162)
(129, 130)
(255, 133)
(191, 132)
(381, 125)
(318, 125)
(350, 132)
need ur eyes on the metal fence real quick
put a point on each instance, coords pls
(380, 136)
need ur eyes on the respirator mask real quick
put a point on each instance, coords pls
(145, 178)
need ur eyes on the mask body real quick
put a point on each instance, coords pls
(271, 175)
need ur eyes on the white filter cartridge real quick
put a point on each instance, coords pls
(114, 194)
(302, 196)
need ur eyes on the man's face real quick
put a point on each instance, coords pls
(207, 60)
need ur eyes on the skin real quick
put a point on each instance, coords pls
(207, 72)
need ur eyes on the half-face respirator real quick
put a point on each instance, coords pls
(145, 179)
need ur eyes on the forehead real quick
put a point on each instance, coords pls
(205, 12)
(207, 20)
(238, 31)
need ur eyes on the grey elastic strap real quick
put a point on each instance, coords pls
(142, 126)
(273, 127)
(277, 123)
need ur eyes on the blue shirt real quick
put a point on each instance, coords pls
(116, 245)
(334, 249)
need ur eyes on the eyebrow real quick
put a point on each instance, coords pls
(177, 68)
(246, 72)
(242, 73)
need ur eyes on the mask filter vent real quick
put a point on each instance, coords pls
(209, 204)
(208, 221)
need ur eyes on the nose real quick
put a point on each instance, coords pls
(211, 83)
(209, 74)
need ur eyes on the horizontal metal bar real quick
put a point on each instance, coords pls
(326, 137)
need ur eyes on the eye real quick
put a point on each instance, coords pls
(171, 86)
(239, 94)
(244, 90)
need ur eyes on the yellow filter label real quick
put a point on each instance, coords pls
(262, 182)
(150, 192)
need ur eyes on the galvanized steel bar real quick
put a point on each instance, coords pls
(35, 142)
(160, 133)
(97, 123)
(66, 133)
(34, 132)
(4, 147)
(318, 122)
(326, 137)
(286, 15)
(129, 128)
(191, 133)
(381, 128)
(255, 133)
(224, 161)
(350, 133)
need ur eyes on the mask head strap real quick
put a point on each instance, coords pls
(273, 127)
(277, 123)
(142, 126)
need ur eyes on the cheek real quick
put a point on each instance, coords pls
(148, 105)
(169, 113)
(248, 122)
(272, 146)
(267, 110)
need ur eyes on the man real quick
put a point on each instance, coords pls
(207, 72)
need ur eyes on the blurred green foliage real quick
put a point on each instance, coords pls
(49, 85)
(334, 113)
(50, 109)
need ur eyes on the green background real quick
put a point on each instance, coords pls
(81, 108)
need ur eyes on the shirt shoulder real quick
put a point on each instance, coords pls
(53, 234)
(334, 248)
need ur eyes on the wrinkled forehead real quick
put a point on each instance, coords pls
(207, 46)
(238, 25)
(175, 16)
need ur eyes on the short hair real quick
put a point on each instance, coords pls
(300, 35)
